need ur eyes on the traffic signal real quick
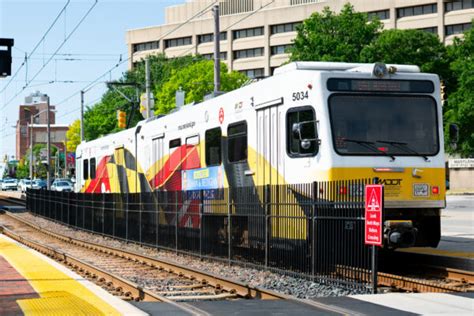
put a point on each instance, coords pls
(442, 90)
(122, 119)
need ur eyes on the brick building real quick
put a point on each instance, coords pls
(36, 106)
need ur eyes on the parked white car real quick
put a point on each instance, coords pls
(62, 186)
(25, 184)
(9, 184)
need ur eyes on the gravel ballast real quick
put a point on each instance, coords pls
(299, 287)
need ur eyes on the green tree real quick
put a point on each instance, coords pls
(328, 36)
(196, 80)
(413, 47)
(73, 136)
(22, 171)
(459, 108)
(101, 118)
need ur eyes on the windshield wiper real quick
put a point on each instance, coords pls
(403, 146)
(369, 145)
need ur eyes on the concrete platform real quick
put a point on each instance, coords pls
(33, 284)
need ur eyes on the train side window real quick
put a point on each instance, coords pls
(192, 160)
(92, 168)
(295, 147)
(237, 142)
(213, 146)
(175, 155)
(85, 169)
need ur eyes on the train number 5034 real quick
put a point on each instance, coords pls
(297, 96)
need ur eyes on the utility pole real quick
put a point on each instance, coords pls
(48, 170)
(217, 53)
(65, 157)
(82, 116)
(148, 88)
(31, 147)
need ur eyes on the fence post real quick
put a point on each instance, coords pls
(201, 210)
(268, 201)
(176, 221)
(313, 227)
(229, 228)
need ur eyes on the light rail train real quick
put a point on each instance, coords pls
(311, 121)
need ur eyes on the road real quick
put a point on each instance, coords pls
(457, 224)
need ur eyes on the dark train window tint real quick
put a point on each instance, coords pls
(85, 169)
(92, 166)
(213, 146)
(237, 142)
(175, 143)
(294, 147)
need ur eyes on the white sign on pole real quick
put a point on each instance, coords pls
(461, 163)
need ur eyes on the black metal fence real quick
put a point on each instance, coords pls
(315, 230)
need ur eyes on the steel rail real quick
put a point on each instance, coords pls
(233, 287)
(398, 281)
(125, 289)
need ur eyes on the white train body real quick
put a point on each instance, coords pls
(387, 128)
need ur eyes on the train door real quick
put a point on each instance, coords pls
(157, 162)
(270, 145)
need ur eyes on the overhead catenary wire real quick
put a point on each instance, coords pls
(36, 46)
(230, 26)
(93, 82)
(57, 50)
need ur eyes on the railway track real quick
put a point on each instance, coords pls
(131, 276)
(429, 278)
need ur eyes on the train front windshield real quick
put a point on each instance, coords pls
(398, 125)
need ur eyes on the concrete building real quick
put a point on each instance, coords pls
(34, 104)
(256, 33)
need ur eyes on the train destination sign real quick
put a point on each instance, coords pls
(373, 214)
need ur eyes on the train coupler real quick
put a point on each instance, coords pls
(399, 233)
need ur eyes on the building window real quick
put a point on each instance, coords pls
(146, 46)
(298, 2)
(382, 14)
(213, 146)
(207, 38)
(256, 31)
(433, 29)
(182, 41)
(235, 6)
(254, 73)
(92, 166)
(284, 28)
(459, 5)
(248, 53)
(210, 56)
(281, 49)
(457, 28)
(417, 10)
(237, 142)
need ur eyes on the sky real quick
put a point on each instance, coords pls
(83, 54)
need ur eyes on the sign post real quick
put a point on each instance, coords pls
(374, 224)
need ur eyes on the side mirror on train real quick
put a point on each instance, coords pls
(306, 132)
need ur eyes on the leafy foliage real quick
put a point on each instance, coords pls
(460, 106)
(196, 80)
(166, 74)
(328, 36)
(73, 135)
(412, 47)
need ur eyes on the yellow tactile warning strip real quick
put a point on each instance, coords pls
(59, 293)
(440, 252)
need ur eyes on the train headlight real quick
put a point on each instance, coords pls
(380, 70)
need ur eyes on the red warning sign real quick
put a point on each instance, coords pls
(221, 115)
(373, 214)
